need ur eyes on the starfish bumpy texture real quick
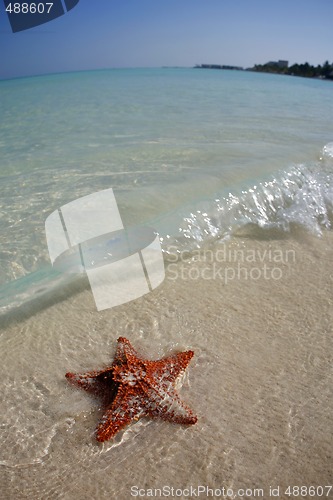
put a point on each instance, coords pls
(133, 387)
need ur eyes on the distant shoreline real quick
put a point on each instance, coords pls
(305, 70)
(218, 66)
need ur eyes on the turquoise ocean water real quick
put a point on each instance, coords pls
(221, 160)
(195, 153)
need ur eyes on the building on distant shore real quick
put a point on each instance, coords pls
(278, 64)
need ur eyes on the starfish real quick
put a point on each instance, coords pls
(134, 387)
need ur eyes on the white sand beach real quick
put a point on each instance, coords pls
(260, 381)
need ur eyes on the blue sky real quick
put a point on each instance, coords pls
(148, 33)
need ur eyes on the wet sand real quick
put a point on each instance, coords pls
(260, 382)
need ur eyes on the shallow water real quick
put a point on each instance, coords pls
(164, 140)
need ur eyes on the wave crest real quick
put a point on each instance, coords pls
(300, 196)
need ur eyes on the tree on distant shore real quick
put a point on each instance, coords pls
(305, 70)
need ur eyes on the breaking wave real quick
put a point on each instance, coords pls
(301, 196)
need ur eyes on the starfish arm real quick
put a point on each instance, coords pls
(167, 370)
(86, 381)
(127, 407)
(168, 406)
(124, 350)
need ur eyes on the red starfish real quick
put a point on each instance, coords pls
(133, 387)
